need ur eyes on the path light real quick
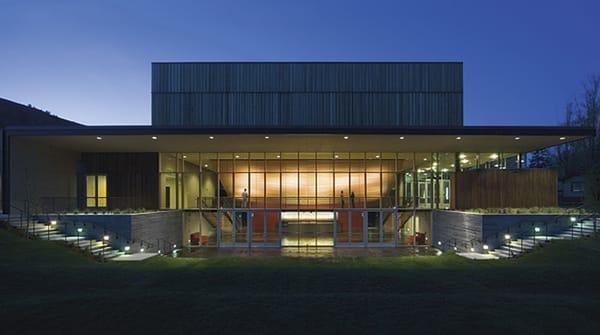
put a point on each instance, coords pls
(126, 248)
(458, 138)
(154, 138)
(142, 250)
(211, 137)
(455, 248)
(439, 242)
(537, 229)
(573, 219)
(472, 249)
(507, 236)
(485, 247)
(53, 222)
(79, 230)
(106, 237)
(99, 138)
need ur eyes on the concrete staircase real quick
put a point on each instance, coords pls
(517, 247)
(96, 248)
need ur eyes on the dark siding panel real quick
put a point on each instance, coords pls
(307, 94)
(132, 178)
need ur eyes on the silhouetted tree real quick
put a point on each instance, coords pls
(541, 159)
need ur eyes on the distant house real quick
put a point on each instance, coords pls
(571, 191)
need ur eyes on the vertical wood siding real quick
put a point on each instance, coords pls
(307, 94)
(505, 188)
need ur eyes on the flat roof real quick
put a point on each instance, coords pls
(248, 139)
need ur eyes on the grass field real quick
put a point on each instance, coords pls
(47, 288)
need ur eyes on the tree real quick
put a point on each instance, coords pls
(592, 190)
(540, 159)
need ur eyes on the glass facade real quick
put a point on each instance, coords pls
(314, 198)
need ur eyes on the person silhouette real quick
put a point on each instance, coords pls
(352, 199)
(342, 200)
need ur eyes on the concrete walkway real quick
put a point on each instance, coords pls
(134, 257)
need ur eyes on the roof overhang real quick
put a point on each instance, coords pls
(415, 139)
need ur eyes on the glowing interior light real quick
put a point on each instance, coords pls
(99, 138)
(401, 137)
(154, 138)
(52, 222)
(494, 156)
(211, 137)
(142, 250)
(205, 165)
(278, 156)
(465, 161)
(507, 237)
(127, 248)
(537, 229)
(346, 137)
(267, 137)
(562, 138)
(439, 242)
(79, 230)
(444, 170)
(573, 219)
(237, 156)
(485, 247)
(106, 237)
(462, 156)
(458, 138)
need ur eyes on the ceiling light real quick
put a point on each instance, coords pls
(494, 156)
(237, 156)
(278, 156)
(425, 158)
(337, 156)
(154, 138)
(517, 138)
(444, 170)
(562, 138)
(401, 137)
(458, 138)
(376, 156)
(346, 137)
(267, 137)
(205, 165)
(184, 156)
(98, 138)
(211, 137)
(465, 161)
(462, 156)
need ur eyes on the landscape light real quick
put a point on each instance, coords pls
(439, 242)
(517, 138)
(562, 138)
(126, 248)
(472, 249)
(142, 250)
(53, 222)
(455, 248)
(485, 247)
(106, 237)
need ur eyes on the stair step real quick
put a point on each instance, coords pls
(104, 250)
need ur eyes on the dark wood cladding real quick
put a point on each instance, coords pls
(132, 178)
(307, 94)
(505, 188)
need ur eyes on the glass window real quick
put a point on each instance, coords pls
(96, 191)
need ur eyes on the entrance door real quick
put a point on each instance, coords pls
(307, 229)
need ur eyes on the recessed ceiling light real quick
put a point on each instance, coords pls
(376, 156)
(462, 156)
(98, 138)
(154, 138)
(401, 137)
(211, 137)
(494, 156)
(206, 165)
(267, 137)
(184, 156)
(278, 156)
(562, 138)
(337, 156)
(458, 138)
(465, 161)
(346, 137)
(517, 138)
(237, 156)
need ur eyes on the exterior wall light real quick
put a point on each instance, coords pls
(573, 219)
(507, 237)
(562, 138)
(517, 138)
(536, 229)
(401, 137)
(142, 250)
(486, 247)
(99, 138)
(106, 237)
(458, 138)
(346, 137)
(211, 137)
(127, 248)
(79, 230)
(154, 138)
(439, 242)
(53, 222)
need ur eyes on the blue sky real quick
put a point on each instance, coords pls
(89, 61)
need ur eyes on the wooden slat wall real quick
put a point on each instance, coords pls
(505, 188)
(132, 178)
(307, 94)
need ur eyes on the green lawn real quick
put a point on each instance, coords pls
(49, 288)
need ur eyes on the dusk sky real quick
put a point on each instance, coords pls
(89, 61)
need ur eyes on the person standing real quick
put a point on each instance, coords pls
(342, 200)
(245, 199)
(352, 199)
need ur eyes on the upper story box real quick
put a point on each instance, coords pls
(307, 94)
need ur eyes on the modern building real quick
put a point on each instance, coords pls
(258, 154)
